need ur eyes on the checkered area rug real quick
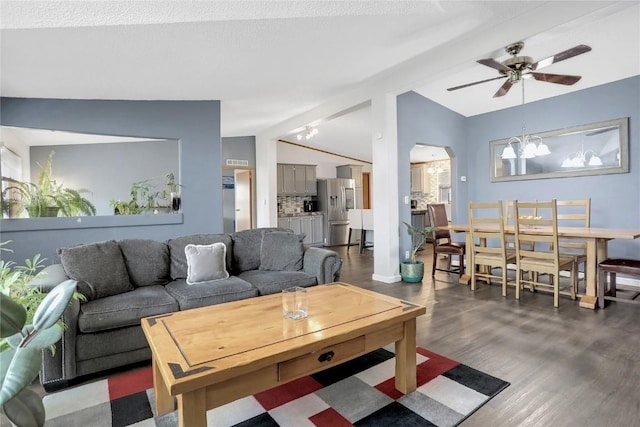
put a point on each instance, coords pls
(360, 392)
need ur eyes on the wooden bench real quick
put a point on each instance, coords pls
(612, 266)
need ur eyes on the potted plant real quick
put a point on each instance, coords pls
(46, 197)
(411, 269)
(143, 198)
(30, 323)
(172, 193)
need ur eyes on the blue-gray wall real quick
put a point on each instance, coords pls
(196, 124)
(615, 198)
(421, 120)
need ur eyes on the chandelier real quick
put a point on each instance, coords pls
(307, 133)
(528, 147)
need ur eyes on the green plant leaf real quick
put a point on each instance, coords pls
(26, 409)
(14, 340)
(53, 305)
(12, 316)
(21, 372)
(43, 338)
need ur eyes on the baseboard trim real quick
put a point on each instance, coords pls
(386, 279)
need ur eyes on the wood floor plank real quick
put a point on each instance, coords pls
(567, 367)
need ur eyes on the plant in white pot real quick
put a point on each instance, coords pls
(412, 270)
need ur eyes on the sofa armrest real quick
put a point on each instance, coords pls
(50, 277)
(324, 264)
(60, 367)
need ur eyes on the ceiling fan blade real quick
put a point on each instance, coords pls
(561, 79)
(569, 53)
(475, 83)
(503, 89)
(493, 64)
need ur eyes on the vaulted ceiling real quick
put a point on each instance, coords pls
(268, 61)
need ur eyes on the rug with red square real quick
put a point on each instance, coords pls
(359, 392)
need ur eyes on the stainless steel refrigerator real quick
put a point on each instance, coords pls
(335, 197)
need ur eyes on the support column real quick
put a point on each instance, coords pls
(386, 237)
(266, 182)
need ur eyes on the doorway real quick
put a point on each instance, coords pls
(430, 177)
(238, 192)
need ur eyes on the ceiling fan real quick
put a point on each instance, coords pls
(517, 67)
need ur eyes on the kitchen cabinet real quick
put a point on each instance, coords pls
(420, 179)
(291, 223)
(353, 172)
(312, 226)
(296, 180)
(310, 179)
(420, 219)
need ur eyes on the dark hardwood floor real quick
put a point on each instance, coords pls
(567, 367)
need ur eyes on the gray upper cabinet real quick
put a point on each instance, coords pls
(311, 182)
(420, 179)
(297, 180)
(351, 172)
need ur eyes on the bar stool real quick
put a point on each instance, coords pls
(612, 266)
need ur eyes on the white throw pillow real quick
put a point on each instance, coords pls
(206, 263)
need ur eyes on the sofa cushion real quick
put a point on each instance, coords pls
(99, 269)
(246, 247)
(281, 251)
(147, 261)
(206, 263)
(125, 309)
(210, 293)
(271, 282)
(178, 258)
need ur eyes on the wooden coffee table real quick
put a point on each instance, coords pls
(210, 356)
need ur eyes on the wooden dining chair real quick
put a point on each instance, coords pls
(509, 219)
(544, 259)
(575, 213)
(442, 242)
(486, 228)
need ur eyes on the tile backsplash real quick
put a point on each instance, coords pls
(292, 204)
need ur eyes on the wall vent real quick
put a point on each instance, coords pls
(235, 162)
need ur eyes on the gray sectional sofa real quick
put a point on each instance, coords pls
(126, 280)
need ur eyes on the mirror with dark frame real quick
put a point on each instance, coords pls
(593, 149)
(106, 169)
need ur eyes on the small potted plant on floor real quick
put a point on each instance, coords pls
(411, 269)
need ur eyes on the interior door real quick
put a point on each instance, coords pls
(242, 199)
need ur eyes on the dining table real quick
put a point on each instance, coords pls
(596, 239)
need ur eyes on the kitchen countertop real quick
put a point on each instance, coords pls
(418, 211)
(285, 215)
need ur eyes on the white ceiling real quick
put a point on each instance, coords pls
(268, 61)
